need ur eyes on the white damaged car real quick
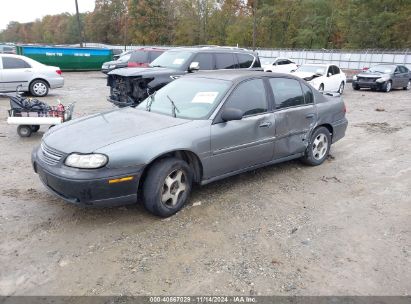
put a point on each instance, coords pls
(324, 77)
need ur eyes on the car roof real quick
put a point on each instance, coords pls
(237, 75)
(150, 49)
(214, 49)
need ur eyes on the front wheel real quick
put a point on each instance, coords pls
(408, 86)
(387, 87)
(318, 147)
(356, 87)
(167, 186)
(39, 88)
(341, 88)
(321, 88)
(24, 131)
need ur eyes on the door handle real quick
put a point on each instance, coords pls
(266, 124)
(311, 115)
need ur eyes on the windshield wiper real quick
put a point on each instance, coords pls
(150, 101)
(173, 107)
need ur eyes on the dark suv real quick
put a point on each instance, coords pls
(128, 87)
(136, 58)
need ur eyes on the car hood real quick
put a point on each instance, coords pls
(305, 75)
(115, 62)
(87, 134)
(127, 72)
(371, 75)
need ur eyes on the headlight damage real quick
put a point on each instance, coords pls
(86, 161)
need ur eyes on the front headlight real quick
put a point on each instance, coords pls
(383, 78)
(86, 161)
(354, 77)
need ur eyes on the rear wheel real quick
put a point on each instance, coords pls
(408, 85)
(24, 131)
(39, 88)
(318, 147)
(167, 186)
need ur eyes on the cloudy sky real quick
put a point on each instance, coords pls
(30, 10)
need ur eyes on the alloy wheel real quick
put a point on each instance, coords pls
(39, 88)
(174, 187)
(320, 146)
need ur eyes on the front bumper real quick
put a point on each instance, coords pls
(368, 84)
(88, 187)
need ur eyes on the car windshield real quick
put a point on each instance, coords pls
(190, 98)
(316, 69)
(125, 57)
(387, 69)
(172, 59)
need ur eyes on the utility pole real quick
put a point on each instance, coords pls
(79, 25)
(254, 22)
(125, 30)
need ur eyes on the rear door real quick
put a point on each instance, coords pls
(404, 76)
(240, 144)
(295, 115)
(16, 71)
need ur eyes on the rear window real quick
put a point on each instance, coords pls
(225, 61)
(14, 63)
(139, 56)
(245, 60)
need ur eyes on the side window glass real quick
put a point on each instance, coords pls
(249, 97)
(245, 60)
(287, 92)
(205, 61)
(336, 70)
(14, 63)
(330, 71)
(308, 94)
(225, 61)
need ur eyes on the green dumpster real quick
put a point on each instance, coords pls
(66, 58)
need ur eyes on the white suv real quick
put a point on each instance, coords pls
(33, 76)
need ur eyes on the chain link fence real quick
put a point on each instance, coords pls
(345, 59)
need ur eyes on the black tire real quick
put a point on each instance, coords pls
(155, 188)
(311, 156)
(269, 71)
(387, 86)
(35, 128)
(341, 88)
(24, 131)
(39, 88)
(355, 87)
(321, 88)
(408, 85)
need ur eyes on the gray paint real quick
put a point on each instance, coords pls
(133, 137)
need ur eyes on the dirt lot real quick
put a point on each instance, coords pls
(343, 228)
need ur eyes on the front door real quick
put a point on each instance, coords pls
(295, 116)
(240, 144)
(16, 72)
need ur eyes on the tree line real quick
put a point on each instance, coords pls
(312, 24)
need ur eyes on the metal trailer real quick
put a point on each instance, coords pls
(30, 121)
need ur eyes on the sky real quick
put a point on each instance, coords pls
(30, 10)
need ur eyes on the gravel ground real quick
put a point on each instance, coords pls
(343, 228)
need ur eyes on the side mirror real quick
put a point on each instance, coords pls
(229, 114)
(292, 71)
(194, 66)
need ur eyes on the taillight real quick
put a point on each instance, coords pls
(344, 108)
(58, 72)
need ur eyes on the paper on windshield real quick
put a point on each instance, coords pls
(205, 97)
(178, 61)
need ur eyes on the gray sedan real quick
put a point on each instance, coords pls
(198, 129)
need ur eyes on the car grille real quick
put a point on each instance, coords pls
(367, 79)
(49, 155)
